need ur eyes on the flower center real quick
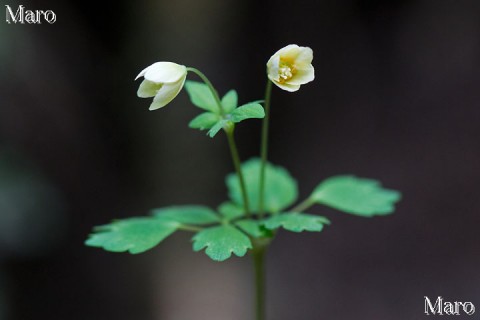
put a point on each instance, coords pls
(286, 71)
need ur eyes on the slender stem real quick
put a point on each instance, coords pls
(264, 147)
(304, 205)
(231, 140)
(258, 255)
(210, 86)
(238, 168)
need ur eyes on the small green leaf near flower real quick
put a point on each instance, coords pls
(230, 101)
(204, 121)
(201, 96)
(217, 127)
(247, 111)
(363, 197)
(220, 242)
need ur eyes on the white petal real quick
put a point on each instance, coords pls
(286, 86)
(304, 57)
(141, 73)
(303, 76)
(272, 68)
(164, 72)
(288, 51)
(300, 56)
(167, 93)
(148, 89)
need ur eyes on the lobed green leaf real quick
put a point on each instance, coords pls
(204, 121)
(363, 197)
(201, 96)
(230, 101)
(221, 241)
(296, 222)
(247, 111)
(190, 214)
(230, 210)
(134, 235)
(280, 188)
(217, 127)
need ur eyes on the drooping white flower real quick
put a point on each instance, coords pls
(163, 81)
(290, 67)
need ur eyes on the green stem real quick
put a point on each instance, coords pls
(231, 141)
(304, 205)
(258, 255)
(264, 147)
(238, 168)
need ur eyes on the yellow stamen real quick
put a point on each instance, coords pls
(286, 71)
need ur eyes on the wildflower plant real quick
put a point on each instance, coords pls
(261, 195)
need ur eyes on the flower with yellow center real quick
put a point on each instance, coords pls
(163, 81)
(290, 67)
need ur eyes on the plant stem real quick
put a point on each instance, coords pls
(258, 255)
(264, 147)
(231, 140)
(304, 205)
(238, 168)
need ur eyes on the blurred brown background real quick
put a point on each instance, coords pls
(396, 98)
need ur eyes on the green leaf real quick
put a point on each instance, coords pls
(199, 215)
(204, 121)
(230, 210)
(296, 222)
(221, 242)
(254, 228)
(217, 127)
(134, 235)
(247, 111)
(280, 188)
(230, 101)
(363, 197)
(201, 96)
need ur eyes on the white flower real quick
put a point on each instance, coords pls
(163, 81)
(291, 67)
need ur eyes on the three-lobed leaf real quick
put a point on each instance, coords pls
(363, 197)
(215, 120)
(201, 96)
(134, 235)
(296, 222)
(280, 188)
(221, 241)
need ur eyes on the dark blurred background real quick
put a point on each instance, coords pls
(396, 98)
